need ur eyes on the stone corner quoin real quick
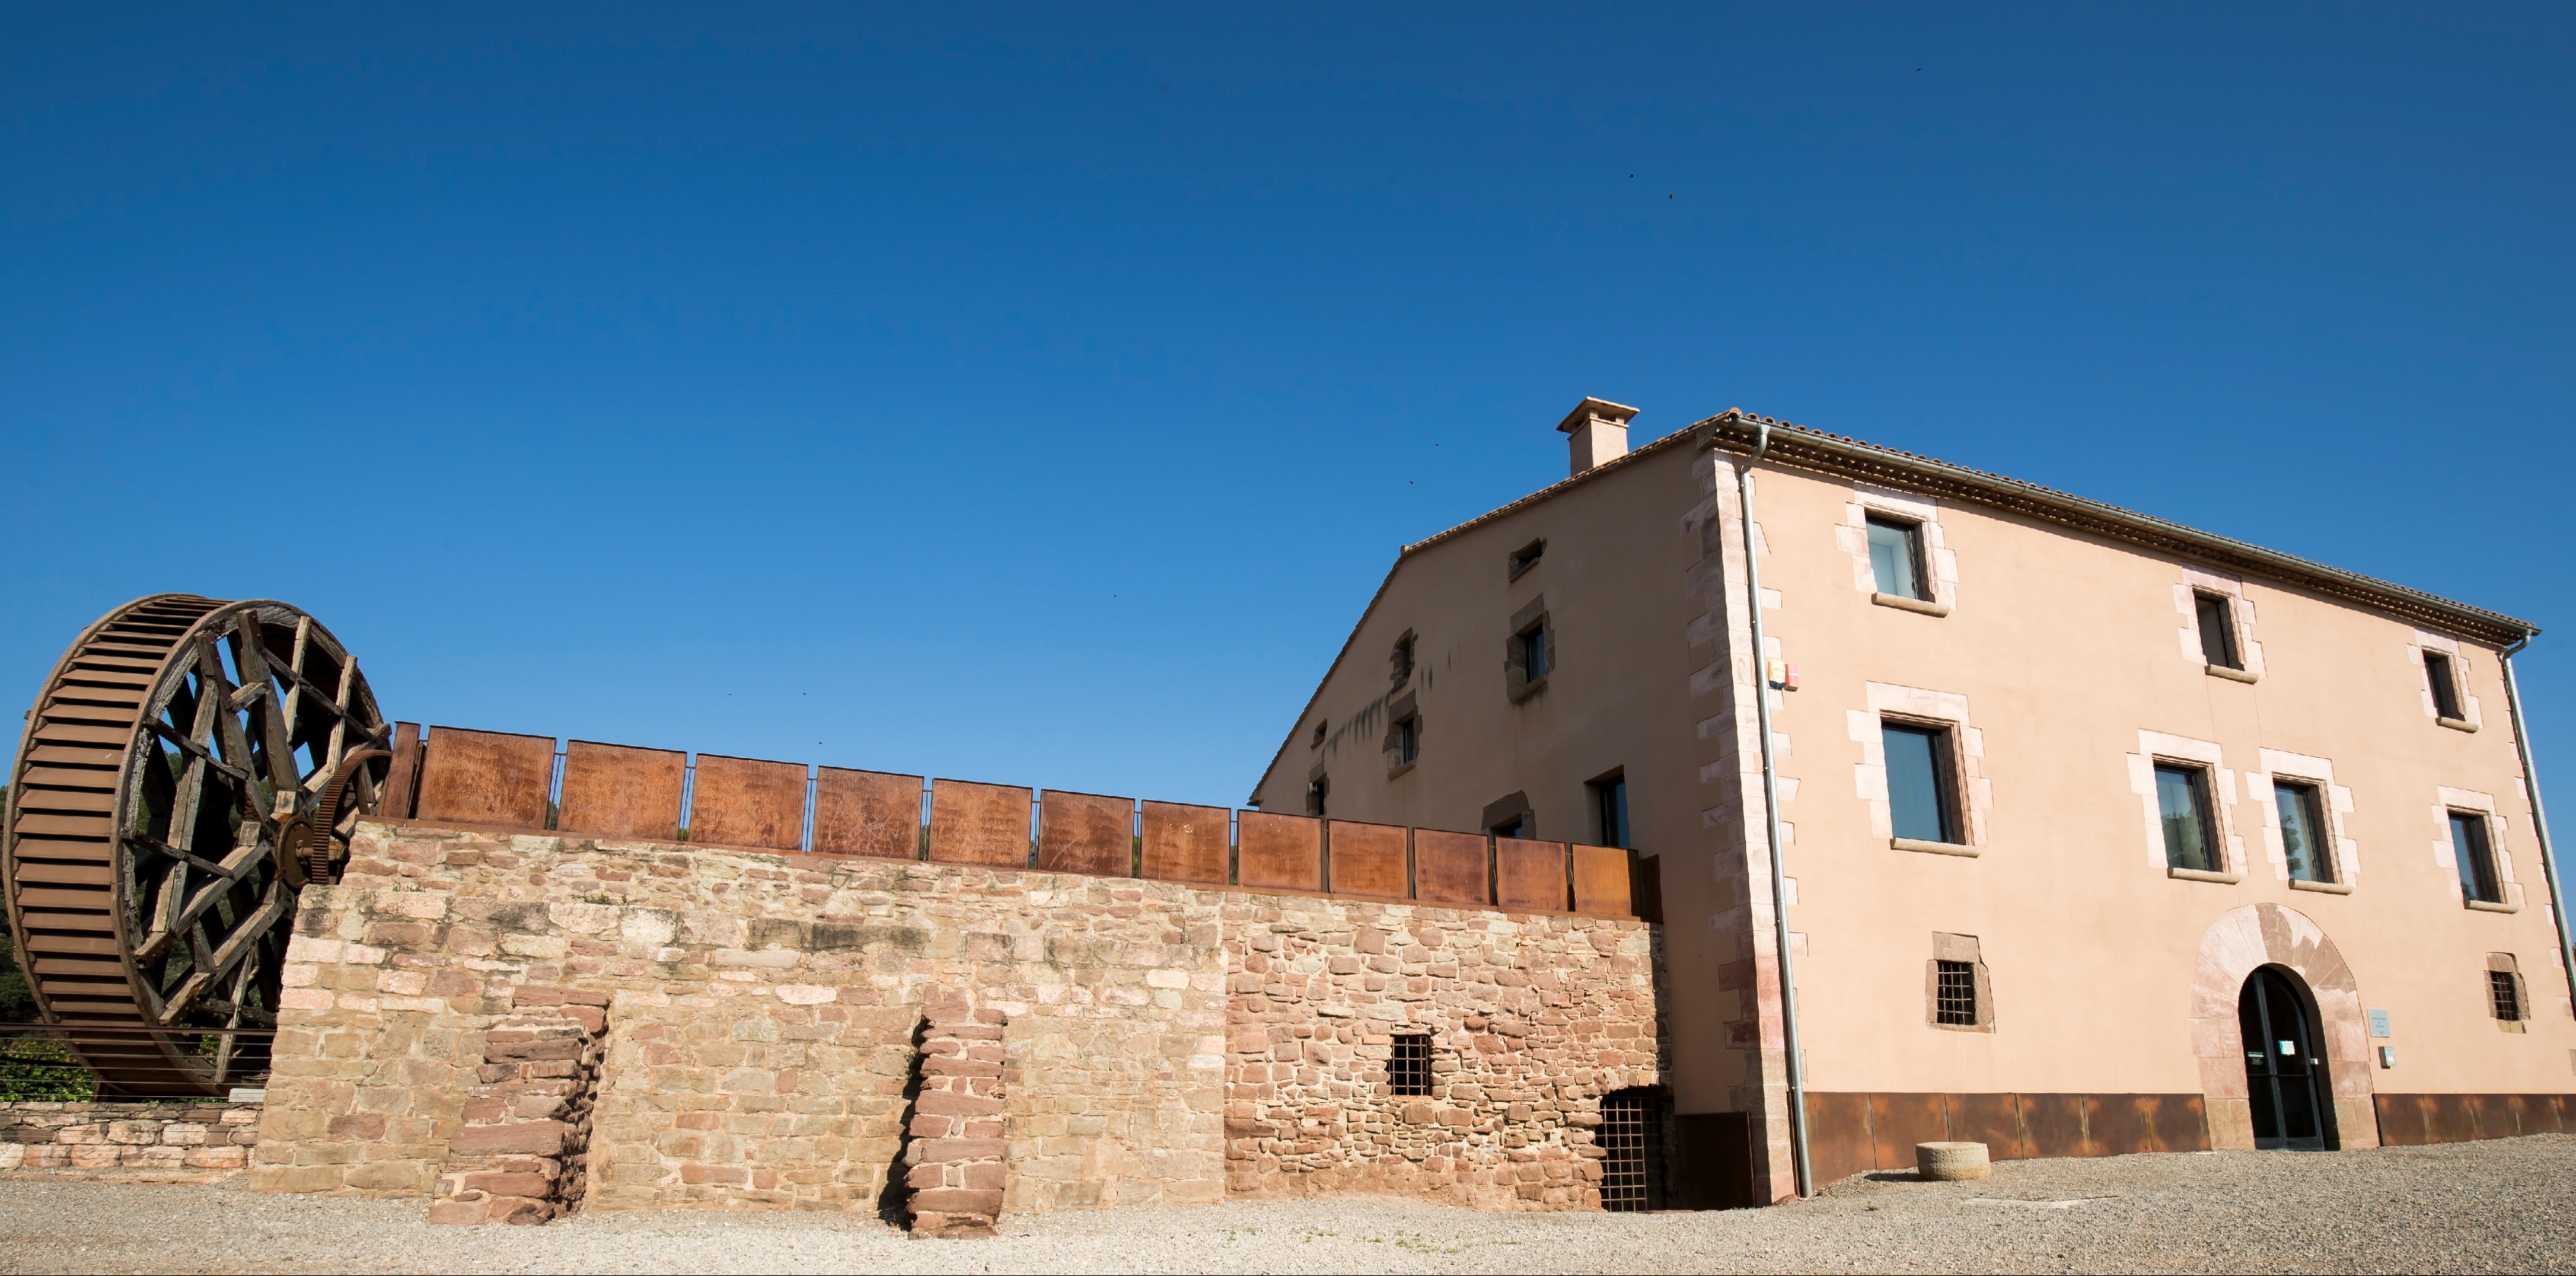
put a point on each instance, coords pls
(763, 1019)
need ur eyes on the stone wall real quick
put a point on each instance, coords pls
(127, 1139)
(762, 1012)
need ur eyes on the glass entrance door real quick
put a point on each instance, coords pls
(2284, 1077)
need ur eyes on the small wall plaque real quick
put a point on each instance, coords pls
(2379, 1023)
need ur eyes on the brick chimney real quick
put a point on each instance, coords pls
(1596, 431)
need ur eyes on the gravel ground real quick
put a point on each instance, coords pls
(2504, 1205)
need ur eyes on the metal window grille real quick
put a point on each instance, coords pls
(1409, 1070)
(2508, 1000)
(1632, 1145)
(1956, 994)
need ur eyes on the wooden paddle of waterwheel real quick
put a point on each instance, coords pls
(189, 766)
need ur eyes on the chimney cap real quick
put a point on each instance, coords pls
(1590, 410)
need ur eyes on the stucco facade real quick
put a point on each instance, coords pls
(2057, 649)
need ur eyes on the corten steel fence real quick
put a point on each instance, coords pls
(449, 775)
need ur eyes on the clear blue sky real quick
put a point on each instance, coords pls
(1037, 395)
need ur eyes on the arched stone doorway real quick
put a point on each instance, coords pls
(2235, 946)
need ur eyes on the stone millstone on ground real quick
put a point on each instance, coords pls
(2503, 1205)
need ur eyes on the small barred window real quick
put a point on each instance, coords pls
(1958, 995)
(1409, 1070)
(2507, 997)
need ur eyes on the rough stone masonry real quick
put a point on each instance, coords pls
(763, 1014)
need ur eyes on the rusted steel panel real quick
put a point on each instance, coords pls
(1086, 833)
(1450, 868)
(2517, 1111)
(2448, 1118)
(2114, 1125)
(2401, 1119)
(2180, 1121)
(1280, 852)
(1899, 1121)
(612, 790)
(1366, 859)
(2541, 1115)
(867, 813)
(402, 778)
(1188, 843)
(1601, 881)
(1530, 874)
(2489, 1116)
(979, 824)
(1838, 1137)
(1991, 1119)
(740, 802)
(2055, 1123)
(485, 777)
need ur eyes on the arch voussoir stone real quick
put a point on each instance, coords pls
(2238, 943)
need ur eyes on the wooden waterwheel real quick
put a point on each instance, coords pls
(189, 766)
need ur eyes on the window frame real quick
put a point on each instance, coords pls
(2504, 994)
(1946, 781)
(2484, 885)
(1318, 790)
(1408, 741)
(1954, 998)
(2310, 797)
(1526, 557)
(1408, 1065)
(1610, 809)
(1911, 530)
(1518, 681)
(2231, 653)
(2442, 678)
(2202, 786)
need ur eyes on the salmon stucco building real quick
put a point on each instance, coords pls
(2094, 832)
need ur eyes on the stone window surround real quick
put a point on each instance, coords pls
(2156, 746)
(1967, 760)
(2240, 613)
(2426, 640)
(2504, 964)
(1947, 947)
(2447, 856)
(2344, 854)
(1405, 709)
(1940, 563)
(1516, 677)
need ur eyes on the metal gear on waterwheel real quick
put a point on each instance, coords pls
(190, 764)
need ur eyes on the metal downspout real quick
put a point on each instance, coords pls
(1771, 823)
(2539, 821)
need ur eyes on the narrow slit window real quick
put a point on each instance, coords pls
(1610, 801)
(1896, 557)
(1316, 790)
(1525, 558)
(1955, 994)
(2303, 831)
(2504, 995)
(2182, 801)
(2475, 856)
(2217, 631)
(2445, 684)
(1408, 1069)
(1401, 660)
(1922, 794)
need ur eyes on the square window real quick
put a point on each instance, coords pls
(2439, 675)
(1896, 557)
(2504, 993)
(2303, 831)
(1922, 792)
(2182, 801)
(1408, 1069)
(1610, 810)
(2217, 631)
(1955, 994)
(2475, 857)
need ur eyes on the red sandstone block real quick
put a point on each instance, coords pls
(538, 1138)
(463, 1213)
(934, 1066)
(530, 1185)
(552, 995)
(983, 1130)
(960, 1149)
(925, 1176)
(958, 1200)
(725, 1174)
(709, 1120)
(359, 1125)
(931, 1126)
(986, 1175)
(951, 1103)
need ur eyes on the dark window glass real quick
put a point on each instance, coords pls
(1408, 740)
(1517, 826)
(1956, 993)
(1408, 1070)
(2303, 831)
(2446, 691)
(2217, 632)
(1896, 557)
(1534, 654)
(1920, 801)
(2507, 997)
(2476, 858)
(2182, 799)
(1610, 797)
(1315, 791)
